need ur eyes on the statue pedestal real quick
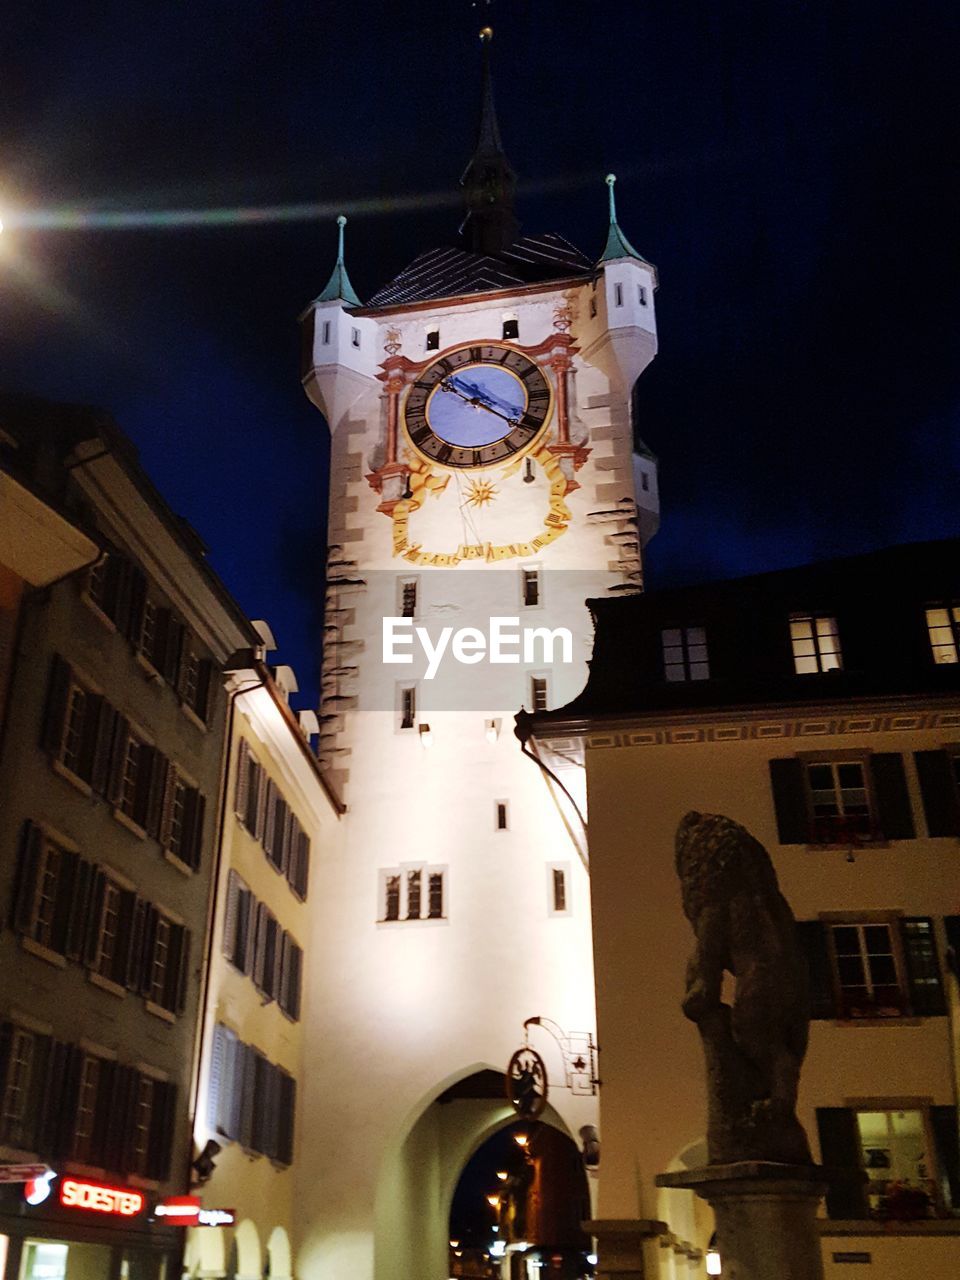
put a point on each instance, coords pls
(765, 1213)
(623, 1244)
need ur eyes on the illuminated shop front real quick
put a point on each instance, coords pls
(84, 1229)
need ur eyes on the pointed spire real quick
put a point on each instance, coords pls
(617, 246)
(488, 181)
(339, 287)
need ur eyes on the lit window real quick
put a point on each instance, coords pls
(355, 337)
(408, 706)
(511, 327)
(531, 586)
(618, 295)
(839, 801)
(433, 339)
(538, 692)
(943, 626)
(867, 971)
(816, 643)
(642, 294)
(895, 1152)
(501, 812)
(411, 893)
(408, 597)
(685, 653)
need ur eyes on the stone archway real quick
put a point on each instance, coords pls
(421, 1170)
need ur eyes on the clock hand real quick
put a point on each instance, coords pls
(478, 402)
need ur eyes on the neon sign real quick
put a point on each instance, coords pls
(98, 1198)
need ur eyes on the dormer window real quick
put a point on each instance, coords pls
(685, 653)
(511, 327)
(433, 339)
(943, 627)
(816, 643)
(618, 295)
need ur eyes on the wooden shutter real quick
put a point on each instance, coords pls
(144, 974)
(893, 799)
(120, 966)
(943, 1122)
(146, 764)
(229, 943)
(23, 905)
(118, 757)
(137, 938)
(55, 709)
(270, 833)
(840, 1153)
(158, 787)
(231, 1104)
(246, 1086)
(938, 790)
(137, 597)
(35, 1108)
(166, 811)
(176, 968)
(790, 800)
(261, 802)
(243, 780)
(160, 1138)
(303, 865)
(158, 649)
(260, 916)
(215, 1082)
(62, 1097)
(204, 685)
(249, 916)
(290, 978)
(119, 1133)
(102, 753)
(91, 942)
(191, 846)
(65, 897)
(97, 724)
(103, 1107)
(923, 966)
(286, 1117)
(80, 909)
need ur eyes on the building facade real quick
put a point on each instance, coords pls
(780, 701)
(279, 834)
(482, 467)
(110, 774)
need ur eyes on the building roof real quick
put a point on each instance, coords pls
(879, 601)
(449, 272)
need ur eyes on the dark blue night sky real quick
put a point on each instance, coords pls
(787, 166)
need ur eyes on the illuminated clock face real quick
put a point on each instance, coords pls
(477, 406)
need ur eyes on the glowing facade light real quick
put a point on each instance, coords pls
(502, 1175)
(493, 1201)
(714, 1267)
(521, 1139)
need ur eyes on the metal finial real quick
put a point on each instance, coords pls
(341, 223)
(611, 179)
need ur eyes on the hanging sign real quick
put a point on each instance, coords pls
(21, 1172)
(526, 1083)
(124, 1202)
(186, 1211)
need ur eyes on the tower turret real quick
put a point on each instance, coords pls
(488, 181)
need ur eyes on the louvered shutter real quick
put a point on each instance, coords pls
(204, 686)
(248, 1086)
(250, 932)
(294, 969)
(23, 906)
(102, 1109)
(261, 916)
(198, 810)
(118, 759)
(790, 800)
(144, 975)
(102, 754)
(50, 1138)
(66, 893)
(158, 646)
(158, 787)
(270, 819)
(261, 814)
(146, 763)
(230, 917)
(923, 966)
(232, 1091)
(286, 1118)
(215, 1079)
(175, 975)
(160, 1138)
(120, 965)
(34, 1110)
(173, 653)
(943, 1122)
(97, 723)
(137, 938)
(80, 909)
(840, 1152)
(64, 1097)
(119, 1134)
(271, 959)
(6, 1037)
(137, 605)
(243, 780)
(939, 792)
(55, 710)
(91, 944)
(893, 799)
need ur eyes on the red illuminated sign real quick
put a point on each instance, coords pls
(99, 1198)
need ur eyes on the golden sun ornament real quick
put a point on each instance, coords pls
(480, 492)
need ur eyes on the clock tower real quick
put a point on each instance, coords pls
(485, 481)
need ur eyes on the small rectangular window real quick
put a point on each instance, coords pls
(943, 627)
(435, 903)
(559, 890)
(433, 339)
(355, 337)
(411, 893)
(408, 597)
(538, 692)
(501, 811)
(531, 587)
(391, 909)
(326, 332)
(816, 643)
(511, 327)
(685, 653)
(642, 294)
(408, 707)
(644, 482)
(618, 295)
(414, 892)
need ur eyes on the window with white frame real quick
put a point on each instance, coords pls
(413, 892)
(816, 643)
(685, 653)
(896, 1147)
(943, 628)
(530, 587)
(839, 800)
(558, 888)
(868, 970)
(539, 694)
(408, 706)
(407, 597)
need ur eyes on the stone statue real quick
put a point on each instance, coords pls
(754, 1047)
